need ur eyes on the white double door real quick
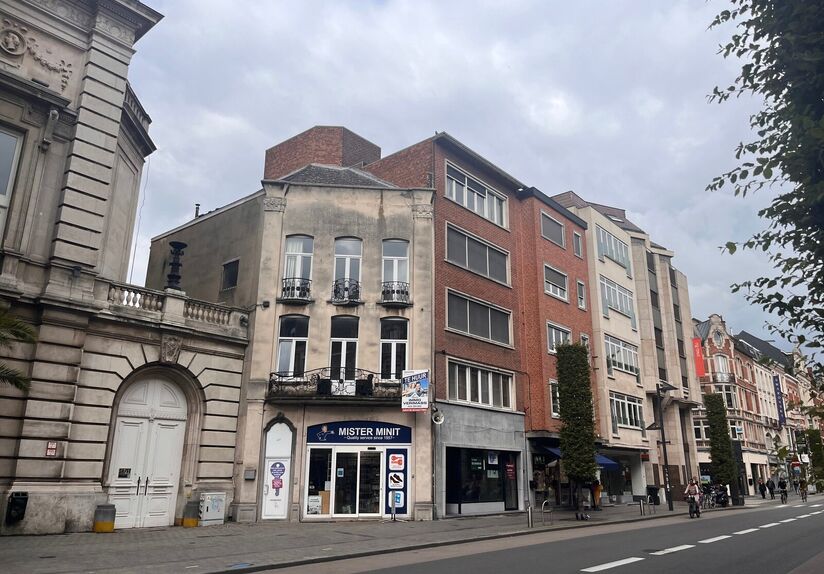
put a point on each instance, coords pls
(144, 471)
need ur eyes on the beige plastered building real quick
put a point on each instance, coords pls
(335, 266)
(134, 392)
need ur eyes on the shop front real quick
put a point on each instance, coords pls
(356, 469)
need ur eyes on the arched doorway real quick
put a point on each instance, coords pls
(277, 476)
(147, 448)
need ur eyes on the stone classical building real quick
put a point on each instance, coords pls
(336, 265)
(134, 392)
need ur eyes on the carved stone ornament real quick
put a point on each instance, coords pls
(65, 10)
(115, 29)
(422, 210)
(274, 204)
(170, 348)
(15, 42)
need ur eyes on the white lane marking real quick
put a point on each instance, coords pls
(799, 505)
(789, 520)
(673, 549)
(815, 505)
(782, 506)
(803, 516)
(770, 525)
(817, 512)
(747, 531)
(711, 540)
(609, 565)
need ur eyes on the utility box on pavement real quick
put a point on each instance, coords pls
(212, 508)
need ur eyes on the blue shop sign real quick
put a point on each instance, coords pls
(358, 432)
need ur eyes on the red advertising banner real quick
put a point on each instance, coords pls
(698, 356)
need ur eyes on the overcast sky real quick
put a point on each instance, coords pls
(607, 98)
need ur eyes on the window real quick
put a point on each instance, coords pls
(620, 355)
(734, 428)
(478, 257)
(653, 299)
(9, 156)
(475, 196)
(728, 392)
(617, 298)
(682, 351)
(721, 364)
(348, 259)
(554, 401)
(395, 260)
(229, 278)
(582, 295)
(552, 229)
(298, 257)
(344, 352)
(577, 244)
(478, 319)
(701, 430)
(555, 282)
(659, 337)
(394, 335)
(627, 411)
(676, 311)
(585, 343)
(613, 248)
(556, 335)
(481, 386)
(294, 333)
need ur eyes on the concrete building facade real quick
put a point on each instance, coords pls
(134, 392)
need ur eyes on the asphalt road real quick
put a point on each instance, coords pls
(770, 539)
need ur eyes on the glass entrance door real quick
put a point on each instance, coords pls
(357, 478)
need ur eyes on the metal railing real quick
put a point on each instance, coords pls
(346, 291)
(296, 289)
(332, 382)
(395, 292)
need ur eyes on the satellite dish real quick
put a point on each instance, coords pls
(438, 418)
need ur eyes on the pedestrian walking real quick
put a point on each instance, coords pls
(771, 488)
(762, 488)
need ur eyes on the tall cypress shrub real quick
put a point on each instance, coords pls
(577, 417)
(724, 469)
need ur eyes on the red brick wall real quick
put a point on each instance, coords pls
(538, 307)
(408, 167)
(321, 144)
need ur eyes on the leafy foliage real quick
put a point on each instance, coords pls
(575, 401)
(13, 329)
(781, 45)
(816, 452)
(723, 466)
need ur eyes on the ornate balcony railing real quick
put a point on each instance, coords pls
(346, 292)
(296, 290)
(332, 383)
(395, 294)
(722, 377)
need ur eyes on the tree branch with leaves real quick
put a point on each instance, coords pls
(13, 329)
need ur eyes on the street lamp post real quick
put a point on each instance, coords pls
(663, 387)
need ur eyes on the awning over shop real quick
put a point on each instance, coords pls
(600, 460)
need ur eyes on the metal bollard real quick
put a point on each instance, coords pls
(529, 521)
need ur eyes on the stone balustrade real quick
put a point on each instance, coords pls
(136, 297)
(207, 312)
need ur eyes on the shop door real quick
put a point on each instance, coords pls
(509, 467)
(357, 489)
(144, 468)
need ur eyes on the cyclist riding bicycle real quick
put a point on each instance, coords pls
(802, 489)
(782, 487)
(693, 494)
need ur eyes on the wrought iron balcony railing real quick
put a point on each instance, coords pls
(346, 292)
(395, 294)
(723, 377)
(332, 382)
(296, 289)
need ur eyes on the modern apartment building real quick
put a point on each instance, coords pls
(134, 392)
(640, 342)
(336, 266)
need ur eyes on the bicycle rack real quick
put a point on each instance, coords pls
(543, 510)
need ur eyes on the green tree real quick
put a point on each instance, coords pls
(577, 417)
(724, 469)
(781, 46)
(816, 454)
(13, 330)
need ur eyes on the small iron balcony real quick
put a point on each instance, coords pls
(346, 292)
(332, 384)
(395, 294)
(296, 290)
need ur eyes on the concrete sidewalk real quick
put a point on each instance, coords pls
(236, 547)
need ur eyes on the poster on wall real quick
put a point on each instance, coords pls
(395, 474)
(276, 488)
(415, 391)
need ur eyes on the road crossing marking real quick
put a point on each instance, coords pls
(782, 506)
(609, 565)
(789, 520)
(817, 512)
(747, 531)
(815, 505)
(673, 549)
(803, 516)
(716, 539)
(799, 505)
(770, 525)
